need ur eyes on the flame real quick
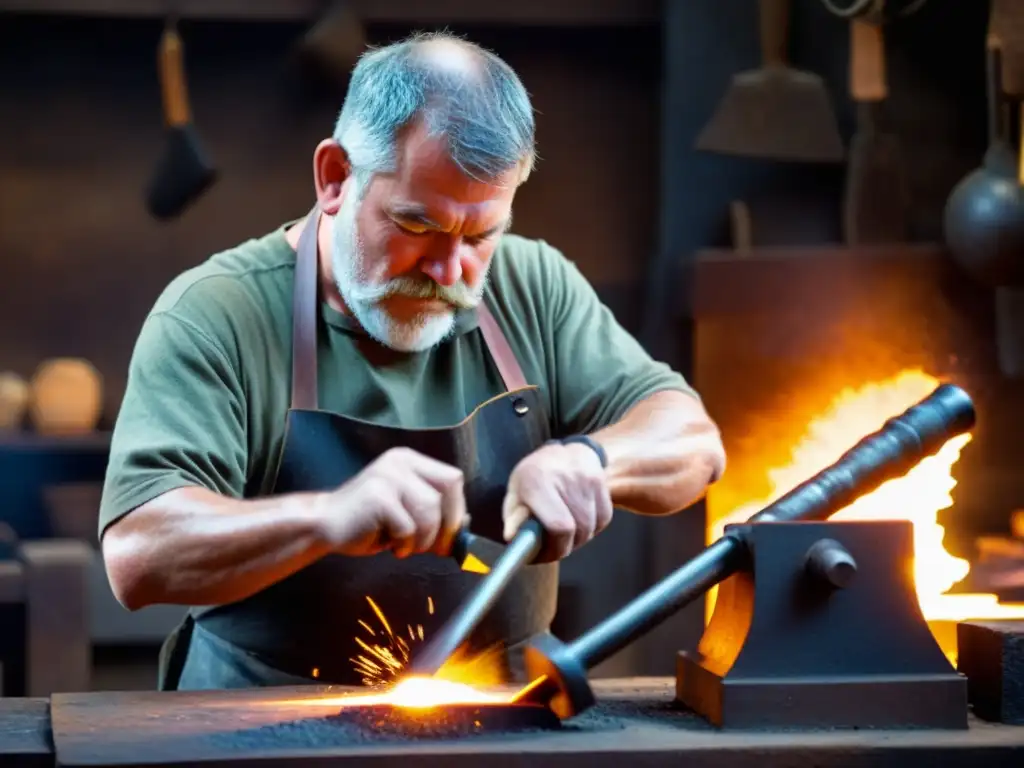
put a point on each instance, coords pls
(918, 496)
(423, 693)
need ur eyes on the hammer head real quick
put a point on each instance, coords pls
(559, 678)
(475, 554)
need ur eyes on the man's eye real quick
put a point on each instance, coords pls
(411, 229)
(483, 237)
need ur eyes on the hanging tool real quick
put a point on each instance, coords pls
(775, 112)
(521, 551)
(984, 216)
(333, 45)
(984, 219)
(876, 197)
(1007, 25)
(184, 171)
(876, 11)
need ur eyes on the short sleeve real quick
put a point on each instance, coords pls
(182, 421)
(599, 370)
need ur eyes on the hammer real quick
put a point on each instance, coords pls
(466, 550)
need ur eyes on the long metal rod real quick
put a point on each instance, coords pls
(520, 551)
(651, 608)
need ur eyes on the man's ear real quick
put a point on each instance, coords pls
(331, 168)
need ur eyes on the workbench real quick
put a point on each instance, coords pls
(634, 725)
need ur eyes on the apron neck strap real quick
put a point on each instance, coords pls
(306, 301)
(305, 304)
(498, 346)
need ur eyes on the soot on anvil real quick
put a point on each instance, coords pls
(384, 725)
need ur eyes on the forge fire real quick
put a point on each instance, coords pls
(918, 496)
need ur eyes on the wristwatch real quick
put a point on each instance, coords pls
(584, 440)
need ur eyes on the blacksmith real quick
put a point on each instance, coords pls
(310, 416)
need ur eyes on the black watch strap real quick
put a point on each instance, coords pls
(587, 441)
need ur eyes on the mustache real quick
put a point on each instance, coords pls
(458, 295)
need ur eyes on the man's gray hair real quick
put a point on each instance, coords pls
(484, 111)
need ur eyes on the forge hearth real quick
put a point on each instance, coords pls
(796, 348)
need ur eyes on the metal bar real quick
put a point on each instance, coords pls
(890, 452)
(671, 594)
(521, 550)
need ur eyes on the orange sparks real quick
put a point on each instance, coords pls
(383, 661)
(387, 654)
(380, 615)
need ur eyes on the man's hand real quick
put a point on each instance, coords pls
(564, 487)
(404, 501)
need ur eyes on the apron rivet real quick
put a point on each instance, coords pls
(520, 407)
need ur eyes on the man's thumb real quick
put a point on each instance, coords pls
(514, 515)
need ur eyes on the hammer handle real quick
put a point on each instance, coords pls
(1006, 22)
(867, 62)
(172, 79)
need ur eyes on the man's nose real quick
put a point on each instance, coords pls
(443, 265)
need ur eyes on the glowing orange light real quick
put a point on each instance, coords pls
(918, 496)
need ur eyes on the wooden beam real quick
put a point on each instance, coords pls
(528, 12)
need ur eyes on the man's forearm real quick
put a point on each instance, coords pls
(194, 547)
(662, 455)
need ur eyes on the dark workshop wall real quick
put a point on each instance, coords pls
(937, 106)
(80, 130)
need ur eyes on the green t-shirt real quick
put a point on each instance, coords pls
(209, 382)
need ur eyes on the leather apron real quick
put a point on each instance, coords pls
(303, 629)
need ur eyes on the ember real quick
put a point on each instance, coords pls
(918, 496)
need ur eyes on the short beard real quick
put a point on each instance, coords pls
(363, 295)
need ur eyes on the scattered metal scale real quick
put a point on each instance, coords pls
(448, 721)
